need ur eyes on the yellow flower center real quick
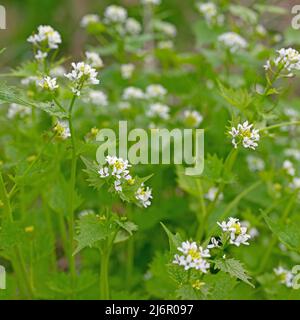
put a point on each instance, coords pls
(246, 133)
(237, 228)
(195, 254)
(119, 165)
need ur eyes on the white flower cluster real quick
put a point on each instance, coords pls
(62, 129)
(118, 169)
(152, 2)
(127, 70)
(115, 14)
(155, 91)
(237, 233)
(289, 168)
(16, 109)
(287, 59)
(192, 256)
(89, 19)
(144, 196)
(133, 27)
(168, 29)
(44, 40)
(285, 276)
(192, 118)
(210, 13)
(93, 59)
(98, 97)
(159, 110)
(82, 73)
(118, 16)
(133, 93)
(233, 41)
(48, 83)
(245, 134)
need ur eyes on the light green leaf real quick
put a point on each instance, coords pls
(234, 268)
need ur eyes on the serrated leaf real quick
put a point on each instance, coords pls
(234, 268)
(127, 230)
(174, 239)
(91, 229)
(287, 233)
(238, 98)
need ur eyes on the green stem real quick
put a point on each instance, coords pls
(203, 216)
(71, 197)
(104, 267)
(283, 124)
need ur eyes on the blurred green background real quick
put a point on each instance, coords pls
(23, 16)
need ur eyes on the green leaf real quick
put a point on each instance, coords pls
(187, 183)
(238, 98)
(93, 176)
(11, 234)
(174, 239)
(234, 268)
(126, 231)
(91, 229)
(287, 233)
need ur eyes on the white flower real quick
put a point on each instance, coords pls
(288, 59)
(16, 109)
(288, 167)
(155, 91)
(246, 135)
(210, 13)
(255, 163)
(46, 35)
(144, 196)
(58, 71)
(168, 44)
(62, 129)
(261, 30)
(133, 93)
(48, 83)
(133, 27)
(30, 80)
(295, 153)
(285, 276)
(86, 212)
(233, 41)
(238, 234)
(253, 232)
(115, 14)
(211, 194)
(127, 70)
(167, 28)
(153, 2)
(118, 185)
(119, 166)
(295, 184)
(98, 97)
(103, 172)
(94, 59)
(82, 73)
(89, 19)
(159, 110)
(192, 257)
(192, 118)
(214, 243)
(41, 55)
